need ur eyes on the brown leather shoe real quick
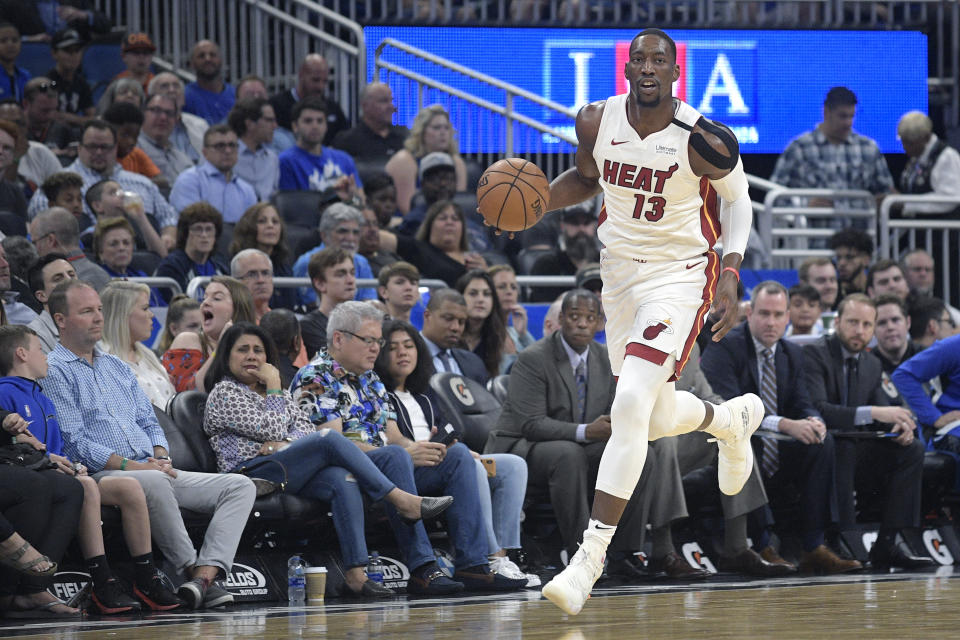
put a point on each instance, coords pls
(750, 563)
(770, 555)
(676, 568)
(823, 560)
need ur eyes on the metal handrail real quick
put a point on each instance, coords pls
(156, 281)
(886, 223)
(293, 283)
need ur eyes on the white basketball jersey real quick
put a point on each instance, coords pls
(655, 208)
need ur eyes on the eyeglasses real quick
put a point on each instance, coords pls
(201, 229)
(223, 146)
(251, 275)
(366, 340)
(160, 111)
(101, 148)
(36, 241)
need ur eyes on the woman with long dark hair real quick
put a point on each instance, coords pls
(485, 332)
(261, 227)
(255, 425)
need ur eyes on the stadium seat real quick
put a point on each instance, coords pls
(474, 171)
(472, 410)
(366, 169)
(527, 257)
(498, 387)
(301, 239)
(191, 450)
(145, 261)
(12, 225)
(298, 207)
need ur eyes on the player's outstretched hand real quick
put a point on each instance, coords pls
(726, 303)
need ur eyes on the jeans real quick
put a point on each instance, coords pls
(501, 500)
(327, 466)
(456, 476)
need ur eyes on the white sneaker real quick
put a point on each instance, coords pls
(735, 463)
(509, 569)
(570, 588)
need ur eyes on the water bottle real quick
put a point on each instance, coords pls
(296, 582)
(375, 568)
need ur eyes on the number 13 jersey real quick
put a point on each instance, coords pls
(655, 209)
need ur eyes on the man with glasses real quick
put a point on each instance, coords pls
(340, 391)
(340, 228)
(929, 321)
(253, 268)
(254, 122)
(159, 118)
(40, 103)
(96, 161)
(214, 180)
(188, 130)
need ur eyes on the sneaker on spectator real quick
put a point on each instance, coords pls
(110, 598)
(156, 595)
(504, 566)
(192, 592)
(216, 596)
(481, 578)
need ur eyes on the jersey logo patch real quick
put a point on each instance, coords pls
(656, 327)
(668, 151)
(614, 142)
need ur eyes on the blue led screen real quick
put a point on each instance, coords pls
(768, 86)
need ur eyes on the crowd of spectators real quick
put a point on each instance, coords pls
(331, 382)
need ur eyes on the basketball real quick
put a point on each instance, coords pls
(513, 194)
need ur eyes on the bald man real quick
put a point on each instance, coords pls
(209, 97)
(375, 138)
(312, 80)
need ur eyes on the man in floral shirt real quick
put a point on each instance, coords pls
(339, 390)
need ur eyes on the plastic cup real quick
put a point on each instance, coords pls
(316, 584)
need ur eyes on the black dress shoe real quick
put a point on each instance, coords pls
(430, 508)
(624, 568)
(897, 555)
(749, 562)
(676, 568)
(373, 589)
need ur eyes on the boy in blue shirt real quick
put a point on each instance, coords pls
(22, 363)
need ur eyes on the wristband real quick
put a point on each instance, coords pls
(274, 392)
(123, 464)
(14, 439)
(735, 272)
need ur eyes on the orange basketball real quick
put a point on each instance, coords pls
(513, 194)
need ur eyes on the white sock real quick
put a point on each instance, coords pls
(599, 531)
(721, 419)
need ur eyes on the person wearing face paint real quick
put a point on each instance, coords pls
(663, 169)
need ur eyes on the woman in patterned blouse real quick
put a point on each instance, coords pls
(250, 420)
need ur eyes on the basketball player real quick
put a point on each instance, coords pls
(660, 166)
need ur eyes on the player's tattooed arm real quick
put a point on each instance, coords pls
(714, 149)
(583, 180)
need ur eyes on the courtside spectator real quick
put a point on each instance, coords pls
(514, 313)
(137, 51)
(312, 77)
(369, 246)
(113, 244)
(284, 328)
(375, 138)
(159, 117)
(188, 131)
(198, 230)
(886, 276)
(44, 276)
(183, 314)
(431, 131)
(933, 166)
(254, 122)
(853, 252)
(921, 273)
(214, 180)
(485, 332)
(209, 97)
(929, 320)
(261, 227)
(332, 276)
(444, 320)
(310, 166)
(56, 231)
(894, 345)
(13, 79)
(804, 311)
(97, 161)
(110, 426)
(76, 98)
(108, 200)
(820, 274)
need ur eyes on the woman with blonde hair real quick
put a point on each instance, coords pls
(127, 321)
(431, 131)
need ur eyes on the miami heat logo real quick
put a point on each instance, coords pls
(656, 327)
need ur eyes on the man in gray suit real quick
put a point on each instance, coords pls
(556, 416)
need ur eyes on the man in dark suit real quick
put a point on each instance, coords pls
(755, 358)
(557, 417)
(443, 323)
(845, 385)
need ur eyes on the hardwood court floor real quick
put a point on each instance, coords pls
(898, 606)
